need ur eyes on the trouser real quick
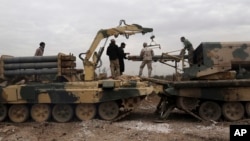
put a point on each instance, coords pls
(149, 65)
(115, 68)
(191, 57)
(122, 67)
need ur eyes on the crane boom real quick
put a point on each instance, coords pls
(126, 30)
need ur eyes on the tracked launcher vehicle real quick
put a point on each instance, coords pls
(28, 88)
(216, 87)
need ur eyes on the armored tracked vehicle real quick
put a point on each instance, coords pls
(215, 87)
(28, 88)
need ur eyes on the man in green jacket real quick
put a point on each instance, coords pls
(189, 47)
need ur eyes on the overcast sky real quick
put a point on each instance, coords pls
(69, 26)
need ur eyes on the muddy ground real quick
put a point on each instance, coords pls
(140, 125)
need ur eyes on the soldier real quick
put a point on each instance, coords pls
(113, 53)
(189, 47)
(40, 50)
(146, 55)
(122, 56)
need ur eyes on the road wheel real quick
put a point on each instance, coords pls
(210, 111)
(18, 113)
(108, 110)
(62, 112)
(187, 103)
(85, 111)
(247, 106)
(233, 111)
(40, 112)
(3, 112)
(131, 103)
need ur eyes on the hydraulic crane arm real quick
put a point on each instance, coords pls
(126, 30)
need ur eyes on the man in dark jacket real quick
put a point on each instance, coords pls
(122, 56)
(113, 53)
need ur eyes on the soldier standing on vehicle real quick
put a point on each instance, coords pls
(189, 47)
(40, 50)
(146, 55)
(113, 53)
(122, 56)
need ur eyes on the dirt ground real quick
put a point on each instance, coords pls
(140, 125)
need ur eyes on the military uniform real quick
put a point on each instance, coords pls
(189, 47)
(146, 54)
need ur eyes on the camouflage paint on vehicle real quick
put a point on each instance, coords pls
(65, 91)
(217, 84)
(73, 92)
(213, 91)
(215, 57)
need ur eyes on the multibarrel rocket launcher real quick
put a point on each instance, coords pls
(60, 65)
